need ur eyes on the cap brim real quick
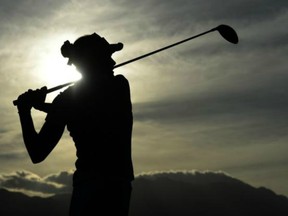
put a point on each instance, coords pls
(111, 49)
(116, 47)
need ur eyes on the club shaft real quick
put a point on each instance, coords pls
(161, 49)
(15, 102)
(58, 87)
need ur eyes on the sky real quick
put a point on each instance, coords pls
(203, 105)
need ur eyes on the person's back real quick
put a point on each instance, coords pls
(99, 119)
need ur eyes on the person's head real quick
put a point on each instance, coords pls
(91, 54)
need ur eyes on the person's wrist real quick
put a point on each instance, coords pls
(24, 110)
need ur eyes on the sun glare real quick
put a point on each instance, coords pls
(52, 66)
(56, 71)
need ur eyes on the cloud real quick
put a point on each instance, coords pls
(168, 193)
(237, 104)
(23, 10)
(64, 178)
(189, 176)
(10, 156)
(32, 184)
(58, 183)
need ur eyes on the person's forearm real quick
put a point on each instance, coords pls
(29, 133)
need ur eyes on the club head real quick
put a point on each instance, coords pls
(228, 33)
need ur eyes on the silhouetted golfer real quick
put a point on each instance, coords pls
(98, 114)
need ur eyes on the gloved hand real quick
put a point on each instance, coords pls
(31, 98)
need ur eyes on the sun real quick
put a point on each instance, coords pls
(56, 71)
(52, 68)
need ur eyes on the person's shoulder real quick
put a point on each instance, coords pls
(121, 83)
(63, 96)
(121, 80)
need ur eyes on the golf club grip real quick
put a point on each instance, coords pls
(15, 102)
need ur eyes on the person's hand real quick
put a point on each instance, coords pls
(31, 99)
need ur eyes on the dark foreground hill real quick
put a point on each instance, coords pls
(169, 194)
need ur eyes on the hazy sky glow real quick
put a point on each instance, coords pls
(204, 105)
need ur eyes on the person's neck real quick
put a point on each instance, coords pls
(97, 79)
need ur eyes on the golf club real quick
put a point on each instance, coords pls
(227, 32)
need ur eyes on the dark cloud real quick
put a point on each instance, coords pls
(239, 11)
(20, 10)
(249, 104)
(11, 156)
(175, 16)
(260, 166)
(3, 131)
(60, 178)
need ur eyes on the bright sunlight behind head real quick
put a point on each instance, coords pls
(52, 67)
(56, 71)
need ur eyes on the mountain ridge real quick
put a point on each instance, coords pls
(167, 193)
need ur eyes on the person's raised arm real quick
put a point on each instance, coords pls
(38, 145)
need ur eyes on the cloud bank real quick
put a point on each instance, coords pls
(33, 185)
(156, 194)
